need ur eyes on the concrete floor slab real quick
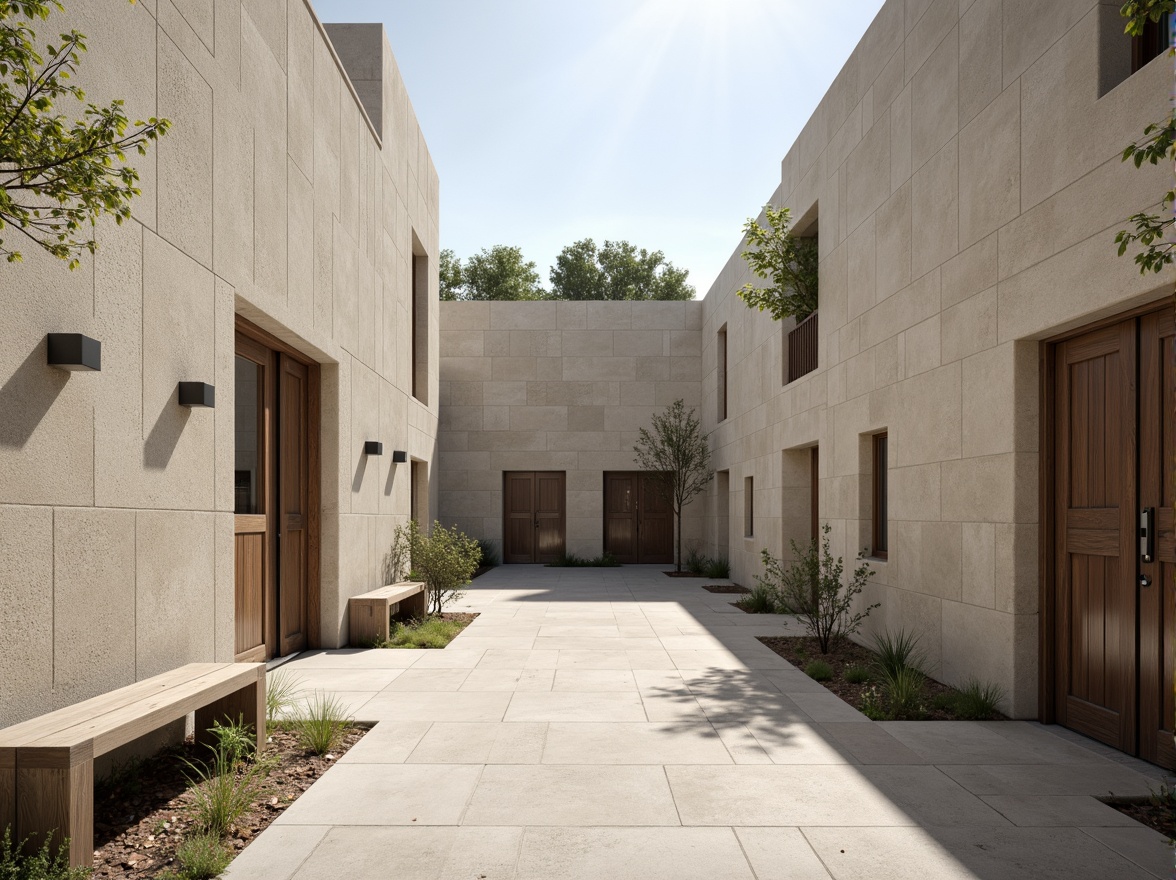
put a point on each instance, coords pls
(646, 853)
(568, 706)
(466, 742)
(634, 743)
(429, 853)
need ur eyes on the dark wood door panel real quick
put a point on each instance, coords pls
(292, 510)
(534, 516)
(655, 522)
(550, 514)
(638, 521)
(620, 517)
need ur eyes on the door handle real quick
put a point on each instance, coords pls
(1147, 535)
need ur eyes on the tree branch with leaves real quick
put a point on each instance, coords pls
(785, 260)
(675, 449)
(57, 174)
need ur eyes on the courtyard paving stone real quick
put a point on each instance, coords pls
(619, 723)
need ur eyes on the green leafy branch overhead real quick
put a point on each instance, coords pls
(788, 262)
(58, 174)
(1152, 231)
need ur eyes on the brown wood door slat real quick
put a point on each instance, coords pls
(534, 516)
(655, 523)
(638, 521)
(293, 479)
(1093, 542)
(518, 538)
(550, 513)
(620, 516)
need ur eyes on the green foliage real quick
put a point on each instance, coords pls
(202, 857)
(871, 705)
(571, 560)
(616, 271)
(675, 448)
(223, 792)
(788, 262)
(904, 694)
(1151, 231)
(323, 723)
(432, 632)
(280, 688)
(761, 600)
(490, 558)
(857, 674)
(58, 174)
(445, 559)
(695, 560)
(811, 588)
(819, 670)
(897, 652)
(978, 701)
(43, 864)
(237, 740)
(718, 567)
(497, 273)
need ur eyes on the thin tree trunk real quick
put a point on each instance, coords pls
(679, 557)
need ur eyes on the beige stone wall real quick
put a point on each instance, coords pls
(964, 168)
(273, 197)
(529, 386)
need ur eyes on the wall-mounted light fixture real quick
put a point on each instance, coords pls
(373, 447)
(73, 351)
(399, 456)
(197, 394)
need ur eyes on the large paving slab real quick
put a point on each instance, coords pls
(618, 723)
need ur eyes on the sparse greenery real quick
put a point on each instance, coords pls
(975, 701)
(787, 261)
(857, 675)
(718, 567)
(898, 651)
(58, 175)
(819, 670)
(237, 739)
(432, 632)
(811, 588)
(322, 724)
(445, 559)
(202, 857)
(44, 864)
(760, 600)
(490, 558)
(871, 704)
(903, 692)
(696, 561)
(222, 791)
(571, 560)
(280, 688)
(678, 453)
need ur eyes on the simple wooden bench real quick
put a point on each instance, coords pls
(47, 763)
(371, 612)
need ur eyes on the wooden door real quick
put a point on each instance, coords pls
(638, 521)
(293, 483)
(534, 516)
(254, 569)
(1157, 588)
(1095, 534)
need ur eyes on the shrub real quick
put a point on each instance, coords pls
(898, 652)
(432, 632)
(872, 704)
(904, 694)
(221, 792)
(718, 567)
(979, 701)
(237, 740)
(811, 588)
(490, 558)
(695, 561)
(202, 857)
(324, 722)
(571, 560)
(857, 674)
(819, 670)
(759, 601)
(445, 559)
(280, 688)
(41, 865)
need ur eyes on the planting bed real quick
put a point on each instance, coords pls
(142, 815)
(725, 588)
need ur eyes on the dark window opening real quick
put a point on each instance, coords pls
(881, 536)
(1155, 40)
(722, 387)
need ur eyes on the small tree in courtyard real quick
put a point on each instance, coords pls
(57, 174)
(785, 260)
(445, 559)
(676, 449)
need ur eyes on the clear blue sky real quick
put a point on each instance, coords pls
(658, 121)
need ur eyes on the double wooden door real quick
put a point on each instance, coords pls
(1114, 554)
(534, 516)
(638, 520)
(275, 499)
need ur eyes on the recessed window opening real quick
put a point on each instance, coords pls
(749, 507)
(1152, 43)
(881, 531)
(722, 372)
(419, 321)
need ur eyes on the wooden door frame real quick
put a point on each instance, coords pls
(1046, 534)
(314, 473)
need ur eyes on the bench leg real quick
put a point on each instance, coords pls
(247, 704)
(55, 801)
(414, 606)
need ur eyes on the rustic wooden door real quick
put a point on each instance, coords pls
(293, 482)
(252, 472)
(1157, 589)
(534, 516)
(638, 521)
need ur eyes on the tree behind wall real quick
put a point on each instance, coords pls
(616, 271)
(675, 448)
(494, 274)
(57, 175)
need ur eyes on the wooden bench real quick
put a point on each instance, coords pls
(47, 763)
(371, 612)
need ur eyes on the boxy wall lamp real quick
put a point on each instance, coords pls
(373, 447)
(197, 394)
(399, 456)
(73, 351)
